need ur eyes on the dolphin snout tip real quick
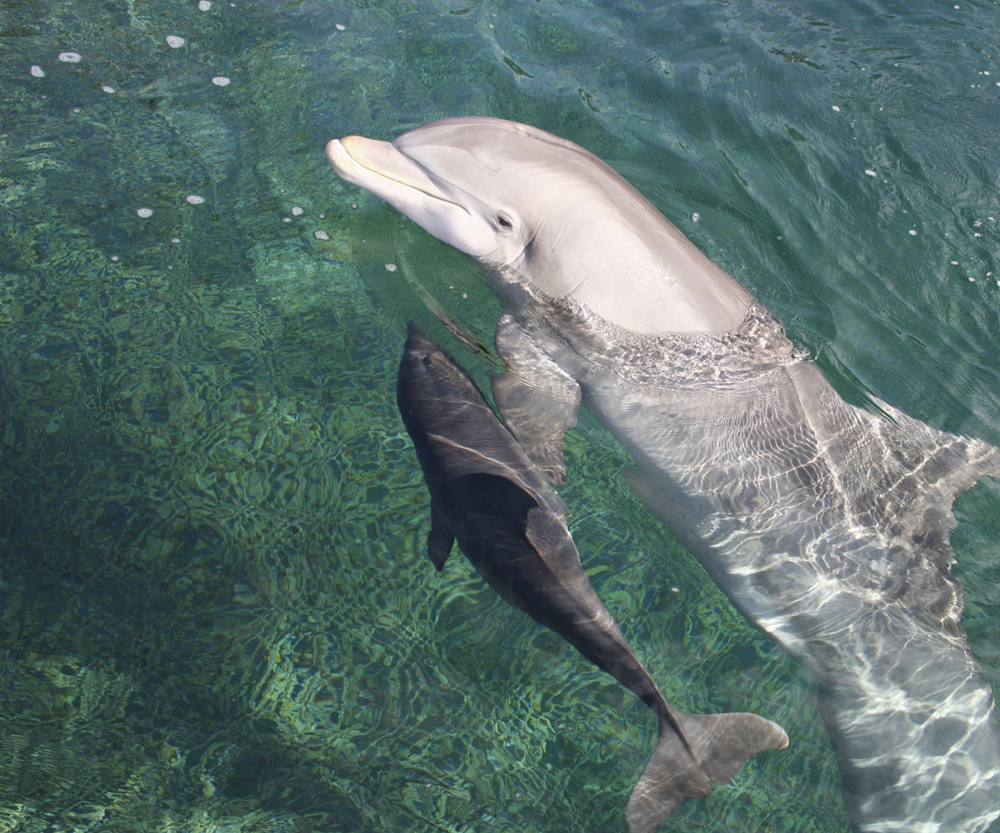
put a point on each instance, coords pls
(337, 154)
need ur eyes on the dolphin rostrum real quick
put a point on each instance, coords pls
(825, 524)
(508, 520)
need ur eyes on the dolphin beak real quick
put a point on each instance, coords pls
(380, 168)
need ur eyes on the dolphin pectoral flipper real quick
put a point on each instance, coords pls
(440, 539)
(713, 749)
(537, 398)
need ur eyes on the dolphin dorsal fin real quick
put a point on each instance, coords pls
(547, 533)
(912, 475)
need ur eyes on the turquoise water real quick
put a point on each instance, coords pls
(216, 610)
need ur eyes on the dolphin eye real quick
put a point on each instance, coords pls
(504, 223)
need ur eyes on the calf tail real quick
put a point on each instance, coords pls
(709, 748)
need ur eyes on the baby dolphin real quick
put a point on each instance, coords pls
(508, 520)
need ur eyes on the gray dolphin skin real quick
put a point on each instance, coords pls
(511, 524)
(826, 525)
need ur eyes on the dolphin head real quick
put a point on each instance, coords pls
(428, 378)
(512, 195)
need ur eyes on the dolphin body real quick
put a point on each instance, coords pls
(508, 520)
(826, 525)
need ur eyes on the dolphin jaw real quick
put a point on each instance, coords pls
(380, 168)
(388, 173)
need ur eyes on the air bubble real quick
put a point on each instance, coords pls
(390, 267)
(205, 5)
(108, 89)
(341, 27)
(70, 57)
(174, 41)
(296, 210)
(220, 81)
(145, 212)
(37, 71)
(321, 235)
(194, 199)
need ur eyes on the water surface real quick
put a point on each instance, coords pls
(217, 614)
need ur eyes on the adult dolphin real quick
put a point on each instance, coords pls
(826, 525)
(508, 520)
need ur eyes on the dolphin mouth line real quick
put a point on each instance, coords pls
(407, 173)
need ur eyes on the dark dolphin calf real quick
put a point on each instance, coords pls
(508, 520)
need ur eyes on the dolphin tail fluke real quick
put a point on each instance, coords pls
(717, 745)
